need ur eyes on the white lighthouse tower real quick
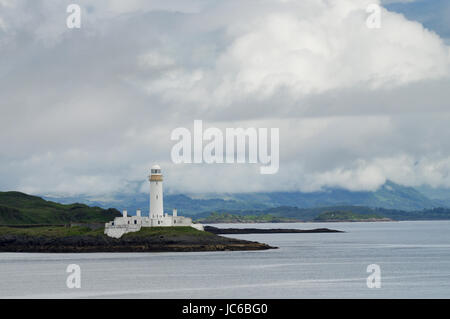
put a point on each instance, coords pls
(156, 193)
(157, 218)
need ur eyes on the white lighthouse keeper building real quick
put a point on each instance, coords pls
(156, 217)
(156, 193)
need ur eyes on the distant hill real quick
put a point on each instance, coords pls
(388, 196)
(439, 196)
(340, 216)
(19, 208)
(311, 214)
(185, 204)
(215, 218)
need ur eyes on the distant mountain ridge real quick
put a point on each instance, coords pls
(388, 196)
(310, 214)
(439, 196)
(19, 208)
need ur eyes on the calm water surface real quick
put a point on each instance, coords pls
(414, 258)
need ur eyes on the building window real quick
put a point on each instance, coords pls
(174, 221)
(156, 196)
(135, 222)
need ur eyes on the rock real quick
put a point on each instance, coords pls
(85, 243)
(217, 231)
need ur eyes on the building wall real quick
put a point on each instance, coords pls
(126, 224)
(182, 221)
(198, 227)
(117, 231)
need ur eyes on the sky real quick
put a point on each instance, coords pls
(90, 110)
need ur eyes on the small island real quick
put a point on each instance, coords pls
(224, 231)
(82, 239)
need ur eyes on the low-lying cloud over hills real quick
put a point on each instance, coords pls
(388, 196)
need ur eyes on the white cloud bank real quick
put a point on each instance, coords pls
(86, 111)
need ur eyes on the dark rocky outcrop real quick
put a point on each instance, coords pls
(88, 244)
(216, 230)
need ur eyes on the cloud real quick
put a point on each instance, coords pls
(89, 110)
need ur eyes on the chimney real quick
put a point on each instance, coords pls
(175, 212)
(124, 213)
(138, 213)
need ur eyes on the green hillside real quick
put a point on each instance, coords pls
(233, 218)
(310, 214)
(18, 208)
(347, 216)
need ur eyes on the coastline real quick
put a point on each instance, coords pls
(176, 239)
(138, 248)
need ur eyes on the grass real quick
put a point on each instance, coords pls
(50, 231)
(61, 231)
(168, 231)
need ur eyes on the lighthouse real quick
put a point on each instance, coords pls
(156, 218)
(156, 193)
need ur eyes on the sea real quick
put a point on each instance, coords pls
(409, 259)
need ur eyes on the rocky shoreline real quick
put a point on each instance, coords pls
(78, 239)
(224, 231)
(96, 244)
